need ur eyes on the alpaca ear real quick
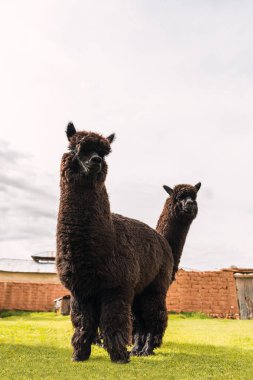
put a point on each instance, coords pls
(198, 186)
(70, 131)
(168, 189)
(111, 138)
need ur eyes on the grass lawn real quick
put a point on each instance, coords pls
(36, 346)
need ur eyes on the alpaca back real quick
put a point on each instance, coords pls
(146, 252)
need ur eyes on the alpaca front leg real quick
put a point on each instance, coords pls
(84, 320)
(116, 324)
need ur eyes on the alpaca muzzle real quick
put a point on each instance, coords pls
(95, 163)
(91, 164)
(187, 205)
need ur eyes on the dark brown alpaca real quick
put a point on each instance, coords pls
(108, 262)
(175, 220)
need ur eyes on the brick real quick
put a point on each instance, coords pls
(29, 296)
(210, 292)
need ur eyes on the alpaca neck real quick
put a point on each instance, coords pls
(175, 232)
(85, 212)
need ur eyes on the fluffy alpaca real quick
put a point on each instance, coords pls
(175, 220)
(107, 261)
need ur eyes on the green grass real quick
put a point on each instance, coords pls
(36, 346)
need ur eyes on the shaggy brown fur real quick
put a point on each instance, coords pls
(107, 261)
(175, 220)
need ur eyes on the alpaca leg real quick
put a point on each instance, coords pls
(98, 339)
(154, 314)
(139, 334)
(115, 323)
(84, 320)
(139, 340)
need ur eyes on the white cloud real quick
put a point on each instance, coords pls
(28, 205)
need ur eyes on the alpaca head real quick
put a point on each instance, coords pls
(182, 202)
(88, 151)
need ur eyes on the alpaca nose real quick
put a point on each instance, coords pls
(96, 160)
(188, 204)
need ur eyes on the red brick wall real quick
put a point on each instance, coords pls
(213, 293)
(27, 296)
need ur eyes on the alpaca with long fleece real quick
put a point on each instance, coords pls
(179, 211)
(107, 261)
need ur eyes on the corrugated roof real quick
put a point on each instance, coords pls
(238, 270)
(47, 256)
(25, 266)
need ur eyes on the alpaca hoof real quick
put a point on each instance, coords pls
(79, 358)
(122, 358)
(146, 352)
(135, 352)
(99, 344)
(121, 361)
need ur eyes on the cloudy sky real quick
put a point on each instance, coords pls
(174, 80)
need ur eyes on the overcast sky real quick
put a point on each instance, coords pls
(174, 80)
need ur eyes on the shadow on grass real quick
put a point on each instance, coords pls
(172, 361)
(31, 315)
(41, 314)
(14, 313)
(209, 352)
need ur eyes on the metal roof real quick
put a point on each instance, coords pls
(26, 266)
(43, 257)
(238, 270)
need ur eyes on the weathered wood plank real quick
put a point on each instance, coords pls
(244, 287)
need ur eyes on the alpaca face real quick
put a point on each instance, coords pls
(183, 203)
(90, 162)
(88, 150)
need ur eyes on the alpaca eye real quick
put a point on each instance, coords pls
(102, 154)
